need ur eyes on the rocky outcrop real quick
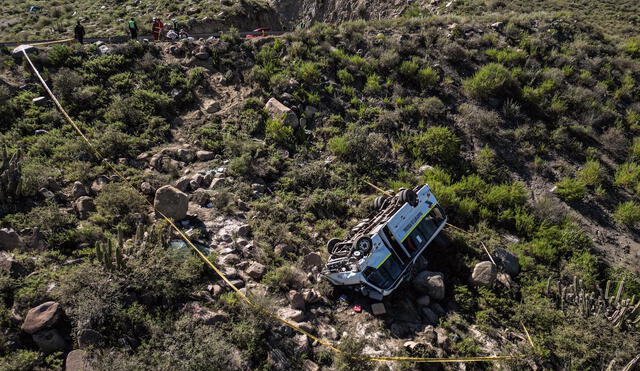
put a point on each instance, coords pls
(484, 274)
(171, 202)
(77, 360)
(41, 323)
(430, 283)
(41, 317)
(507, 261)
(278, 110)
(9, 239)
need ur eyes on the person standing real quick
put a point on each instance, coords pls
(78, 32)
(133, 28)
(156, 28)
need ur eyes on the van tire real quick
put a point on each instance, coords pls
(409, 196)
(379, 202)
(363, 243)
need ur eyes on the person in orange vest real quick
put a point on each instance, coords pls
(156, 28)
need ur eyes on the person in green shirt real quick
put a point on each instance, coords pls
(133, 28)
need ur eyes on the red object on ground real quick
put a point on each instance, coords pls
(357, 308)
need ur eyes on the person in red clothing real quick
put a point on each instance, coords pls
(156, 28)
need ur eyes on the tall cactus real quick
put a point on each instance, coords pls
(10, 175)
(620, 312)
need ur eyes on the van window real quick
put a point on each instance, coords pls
(386, 275)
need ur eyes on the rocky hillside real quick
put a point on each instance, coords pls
(526, 129)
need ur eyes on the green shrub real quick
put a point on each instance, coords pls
(591, 173)
(627, 175)
(628, 213)
(308, 72)
(409, 69)
(571, 189)
(428, 78)
(634, 152)
(490, 81)
(372, 86)
(632, 47)
(276, 131)
(437, 144)
(505, 196)
(119, 204)
(345, 77)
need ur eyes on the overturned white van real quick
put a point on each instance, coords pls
(379, 252)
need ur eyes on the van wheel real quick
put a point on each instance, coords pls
(331, 245)
(363, 243)
(409, 196)
(379, 202)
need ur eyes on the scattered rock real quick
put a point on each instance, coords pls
(378, 309)
(185, 154)
(84, 206)
(279, 110)
(300, 344)
(205, 315)
(89, 338)
(484, 274)
(183, 183)
(46, 194)
(37, 240)
(49, 341)
(507, 261)
(98, 184)
(296, 300)
(147, 188)
(423, 301)
(212, 107)
(430, 283)
(202, 54)
(205, 155)
(9, 239)
(9, 265)
(292, 314)
(41, 317)
(497, 25)
(506, 280)
(309, 365)
(311, 296)
(256, 270)
(230, 259)
(312, 260)
(283, 249)
(78, 190)
(171, 202)
(429, 315)
(244, 231)
(77, 360)
(217, 183)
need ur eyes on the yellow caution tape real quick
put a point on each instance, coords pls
(51, 42)
(244, 297)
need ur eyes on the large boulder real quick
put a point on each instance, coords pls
(43, 316)
(507, 261)
(84, 206)
(484, 274)
(9, 239)
(256, 270)
(430, 283)
(9, 265)
(280, 111)
(171, 202)
(78, 190)
(296, 300)
(312, 260)
(77, 360)
(50, 341)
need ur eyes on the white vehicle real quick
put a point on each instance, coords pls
(379, 252)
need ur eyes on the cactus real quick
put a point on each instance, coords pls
(10, 175)
(620, 312)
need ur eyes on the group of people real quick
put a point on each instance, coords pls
(156, 30)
